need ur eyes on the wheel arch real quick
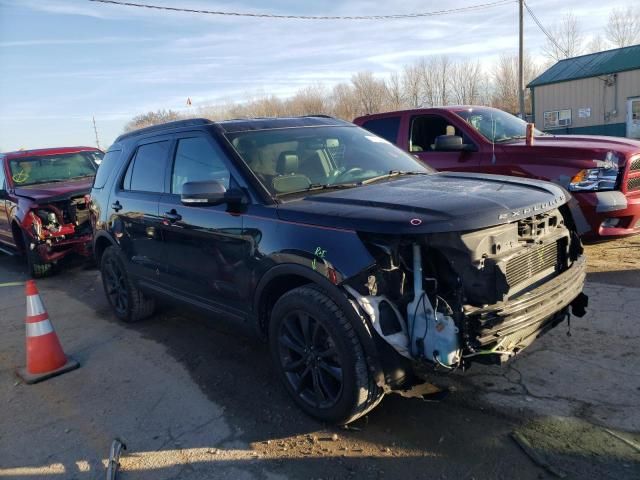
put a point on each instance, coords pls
(284, 278)
(17, 232)
(100, 244)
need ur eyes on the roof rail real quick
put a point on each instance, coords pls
(190, 122)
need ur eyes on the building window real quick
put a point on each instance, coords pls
(557, 119)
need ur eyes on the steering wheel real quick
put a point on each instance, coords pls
(20, 177)
(347, 173)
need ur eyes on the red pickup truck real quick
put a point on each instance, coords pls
(602, 173)
(43, 210)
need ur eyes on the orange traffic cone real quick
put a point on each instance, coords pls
(45, 357)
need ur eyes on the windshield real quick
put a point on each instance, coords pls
(302, 159)
(54, 168)
(495, 125)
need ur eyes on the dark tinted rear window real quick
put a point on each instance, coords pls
(386, 128)
(107, 165)
(146, 171)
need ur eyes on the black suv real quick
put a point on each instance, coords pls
(367, 271)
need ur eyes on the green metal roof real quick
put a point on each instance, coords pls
(592, 65)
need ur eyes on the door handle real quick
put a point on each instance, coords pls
(116, 206)
(172, 216)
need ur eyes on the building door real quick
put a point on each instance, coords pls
(633, 117)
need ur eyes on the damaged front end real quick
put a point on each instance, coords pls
(442, 301)
(57, 228)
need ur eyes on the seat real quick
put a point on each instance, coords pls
(288, 163)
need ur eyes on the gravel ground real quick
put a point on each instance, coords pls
(193, 398)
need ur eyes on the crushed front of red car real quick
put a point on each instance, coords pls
(58, 228)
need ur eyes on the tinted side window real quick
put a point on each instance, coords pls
(386, 128)
(146, 170)
(198, 160)
(2, 177)
(107, 165)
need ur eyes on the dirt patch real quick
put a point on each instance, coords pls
(616, 262)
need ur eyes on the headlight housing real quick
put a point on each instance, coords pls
(603, 177)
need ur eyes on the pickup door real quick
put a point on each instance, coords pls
(417, 133)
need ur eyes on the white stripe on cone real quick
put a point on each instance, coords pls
(37, 329)
(34, 306)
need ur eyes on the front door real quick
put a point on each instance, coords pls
(423, 131)
(205, 251)
(633, 117)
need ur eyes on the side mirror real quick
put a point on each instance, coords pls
(210, 192)
(4, 194)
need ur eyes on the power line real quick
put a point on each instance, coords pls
(435, 13)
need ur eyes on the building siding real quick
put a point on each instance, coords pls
(588, 93)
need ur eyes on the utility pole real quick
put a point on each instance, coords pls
(521, 62)
(95, 129)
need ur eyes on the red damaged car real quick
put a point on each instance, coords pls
(602, 173)
(43, 206)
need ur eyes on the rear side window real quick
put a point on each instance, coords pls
(386, 128)
(3, 182)
(197, 160)
(146, 170)
(107, 165)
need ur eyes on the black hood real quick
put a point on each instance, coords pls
(439, 202)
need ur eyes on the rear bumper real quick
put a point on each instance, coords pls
(609, 215)
(511, 326)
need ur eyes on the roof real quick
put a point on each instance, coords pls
(244, 124)
(41, 152)
(592, 65)
(241, 124)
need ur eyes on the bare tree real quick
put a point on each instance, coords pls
(395, 95)
(436, 80)
(568, 39)
(412, 84)
(467, 82)
(151, 118)
(596, 44)
(308, 101)
(370, 92)
(623, 28)
(345, 104)
(505, 82)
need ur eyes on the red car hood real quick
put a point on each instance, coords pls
(54, 191)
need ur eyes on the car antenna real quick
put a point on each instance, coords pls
(493, 140)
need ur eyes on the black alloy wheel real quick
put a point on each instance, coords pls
(115, 286)
(127, 300)
(319, 356)
(310, 360)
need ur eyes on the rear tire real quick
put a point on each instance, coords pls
(319, 358)
(127, 300)
(37, 269)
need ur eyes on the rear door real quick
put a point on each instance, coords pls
(134, 208)
(423, 131)
(205, 251)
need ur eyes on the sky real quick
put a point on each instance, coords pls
(64, 62)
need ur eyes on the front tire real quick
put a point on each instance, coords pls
(127, 300)
(319, 358)
(37, 269)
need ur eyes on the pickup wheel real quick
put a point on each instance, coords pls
(319, 357)
(37, 269)
(128, 302)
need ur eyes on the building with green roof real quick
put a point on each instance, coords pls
(595, 94)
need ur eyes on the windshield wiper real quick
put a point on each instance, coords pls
(390, 174)
(322, 186)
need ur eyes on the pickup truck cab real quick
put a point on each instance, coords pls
(43, 211)
(602, 173)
